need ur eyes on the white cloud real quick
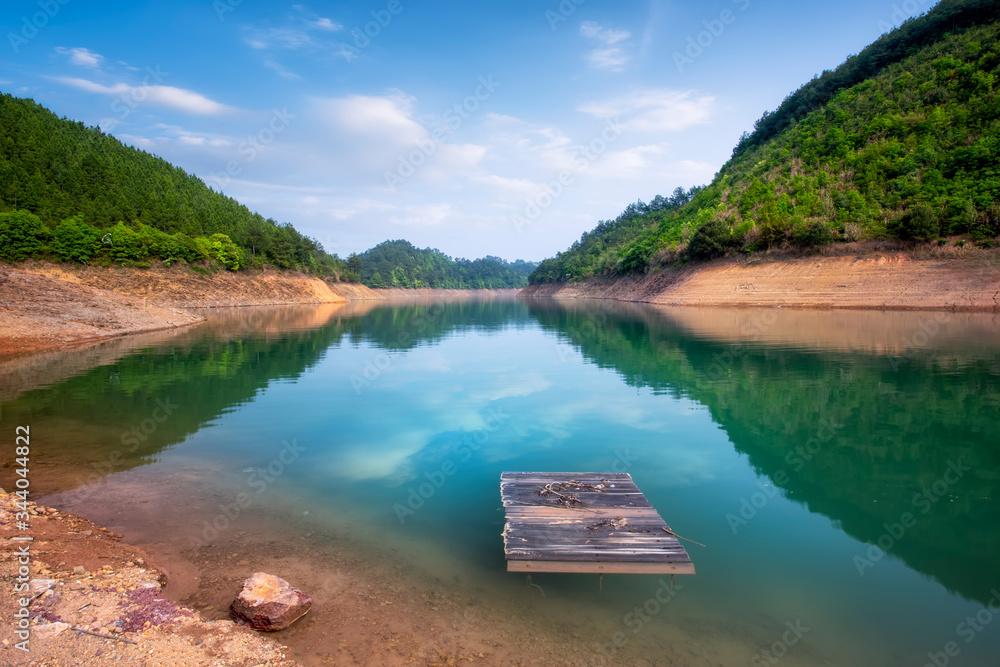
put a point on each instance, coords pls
(423, 215)
(517, 188)
(81, 56)
(611, 55)
(326, 24)
(389, 117)
(292, 39)
(281, 71)
(655, 109)
(168, 96)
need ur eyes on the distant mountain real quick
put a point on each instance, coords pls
(901, 141)
(401, 264)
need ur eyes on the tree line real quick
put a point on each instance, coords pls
(400, 264)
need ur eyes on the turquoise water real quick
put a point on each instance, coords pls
(842, 469)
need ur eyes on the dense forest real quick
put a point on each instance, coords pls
(74, 193)
(400, 264)
(900, 142)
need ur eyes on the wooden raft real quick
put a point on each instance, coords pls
(585, 522)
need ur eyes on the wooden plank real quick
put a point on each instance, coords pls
(611, 529)
(599, 568)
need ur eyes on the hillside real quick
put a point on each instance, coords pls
(401, 264)
(74, 193)
(898, 142)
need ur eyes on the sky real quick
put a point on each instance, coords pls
(502, 128)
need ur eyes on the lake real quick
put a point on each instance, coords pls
(842, 468)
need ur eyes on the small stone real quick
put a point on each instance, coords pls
(87, 533)
(79, 569)
(269, 603)
(49, 630)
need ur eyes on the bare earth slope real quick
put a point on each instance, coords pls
(37, 312)
(893, 280)
(44, 305)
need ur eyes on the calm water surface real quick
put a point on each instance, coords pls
(841, 468)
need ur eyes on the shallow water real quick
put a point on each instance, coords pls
(841, 467)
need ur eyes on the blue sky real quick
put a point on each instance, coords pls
(504, 128)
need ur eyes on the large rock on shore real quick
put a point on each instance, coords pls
(269, 603)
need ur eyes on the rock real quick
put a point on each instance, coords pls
(48, 630)
(269, 603)
(79, 569)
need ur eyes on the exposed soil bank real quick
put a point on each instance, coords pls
(967, 280)
(38, 312)
(45, 305)
(97, 601)
(179, 286)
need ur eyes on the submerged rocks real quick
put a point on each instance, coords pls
(269, 603)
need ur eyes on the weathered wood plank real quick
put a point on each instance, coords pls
(613, 528)
(599, 568)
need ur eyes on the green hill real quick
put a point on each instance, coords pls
(400, 264)
(74, 193)
(901, 141)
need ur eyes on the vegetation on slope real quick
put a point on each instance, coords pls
(400, 264)
(908, 153)
(74, 193)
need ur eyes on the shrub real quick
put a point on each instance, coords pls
(225, 252)
(22, 235)
(813, 234)
(75, 241)
(918, 224)
(126, 244)
(712, 239)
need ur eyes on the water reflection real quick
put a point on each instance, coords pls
(863, 418)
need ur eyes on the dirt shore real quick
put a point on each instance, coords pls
(97, 601)
(954, 279)
(45, 305)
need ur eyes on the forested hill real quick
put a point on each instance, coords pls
(81, 195)
(400, 264)
(900, 141)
